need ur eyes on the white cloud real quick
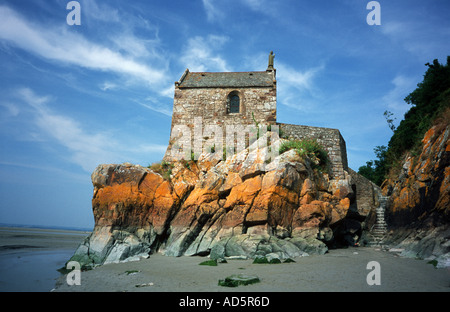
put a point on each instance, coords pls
(108, 86)
(12, 109)
(417, 37)
(132, 46)
(212, 13)
(394, 99)
(156, 106)
(296, 86)
(100, 12)
(85, 148)
(168, 92)
(301, 80)
(254, 4)
(61, 45)
(200, 54)
(219, 10)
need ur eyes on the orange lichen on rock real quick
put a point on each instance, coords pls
(423, 187)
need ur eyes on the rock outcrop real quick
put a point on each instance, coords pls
(418, 210)
(242, 207)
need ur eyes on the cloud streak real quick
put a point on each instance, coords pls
(295, 86)
(60, 45)
(86, 149)
(200, 54)
(416, 37)
(156, 106)
(212, 13)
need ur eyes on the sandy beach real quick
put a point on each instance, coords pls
(343, 270)
(29, 259)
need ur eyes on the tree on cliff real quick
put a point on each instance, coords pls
(429, 101)
(374, 169)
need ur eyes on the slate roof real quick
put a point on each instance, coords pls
(226, 79)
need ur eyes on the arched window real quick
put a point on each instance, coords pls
(233, 103)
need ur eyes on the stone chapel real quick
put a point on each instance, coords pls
(244, 98)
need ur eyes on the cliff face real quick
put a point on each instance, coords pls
(418, 210)
(244, 206)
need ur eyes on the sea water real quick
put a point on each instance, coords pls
(30, 257)
(33, 271)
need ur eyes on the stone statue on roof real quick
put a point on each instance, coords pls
(271, 57)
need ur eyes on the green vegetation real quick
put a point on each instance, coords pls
(84, 267)
(289, 260)
(163, 168)
(433, 262)
(309, 148)
(64, 270)
(131, 272)
(375, 170)
(260, 260)
(430, 107)
(274, 261)
(240, 279)
(212, 262)
(264, 260)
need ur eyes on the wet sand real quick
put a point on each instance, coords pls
(343, 270)
(30, 257)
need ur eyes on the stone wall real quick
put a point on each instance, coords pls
(330, 139)
(208, 106)
(367, 195)
(211, 105)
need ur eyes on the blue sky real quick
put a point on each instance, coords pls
(73, 97)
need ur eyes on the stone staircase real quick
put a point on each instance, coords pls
(379, 229)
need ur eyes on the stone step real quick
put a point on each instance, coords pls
(379, 230)
(377, 242)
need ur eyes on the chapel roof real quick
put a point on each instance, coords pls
(226, 79)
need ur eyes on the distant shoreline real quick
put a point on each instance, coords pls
(11, 238)
(39, 231)
(42, 227)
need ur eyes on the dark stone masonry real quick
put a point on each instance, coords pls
(330, 139)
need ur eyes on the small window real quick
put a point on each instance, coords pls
(233, 103)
